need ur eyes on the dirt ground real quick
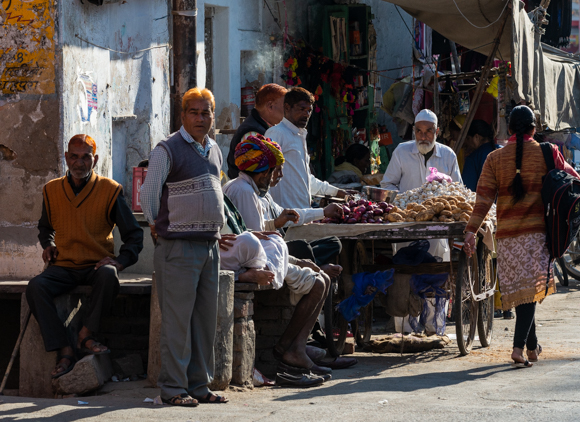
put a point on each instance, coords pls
(435, 385)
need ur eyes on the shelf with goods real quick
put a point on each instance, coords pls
(348, 102)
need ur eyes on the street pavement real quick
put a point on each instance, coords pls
(431, 386)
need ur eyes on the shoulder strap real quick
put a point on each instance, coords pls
(548, 155)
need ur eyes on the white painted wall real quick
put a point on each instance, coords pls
(135, 84)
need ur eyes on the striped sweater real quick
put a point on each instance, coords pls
(527, 216)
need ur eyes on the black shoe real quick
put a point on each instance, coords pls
(299, 381)
(498, 313)
(508, 314)
(325, 373)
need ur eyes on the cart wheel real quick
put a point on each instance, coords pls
(561, 272)
(486, 306)
(465, 306)
(334, 323)
(364, 325)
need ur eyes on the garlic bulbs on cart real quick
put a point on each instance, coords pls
(456, 199)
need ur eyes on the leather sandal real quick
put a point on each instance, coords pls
(217, 400)
(89, 350)
(66, 368)
(538, 351)
(181, 400)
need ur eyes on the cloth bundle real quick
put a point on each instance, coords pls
(366, 286)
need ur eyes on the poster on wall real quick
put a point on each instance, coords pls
(87, 106)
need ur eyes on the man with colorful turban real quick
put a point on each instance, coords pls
(247, 192)
(79, 212)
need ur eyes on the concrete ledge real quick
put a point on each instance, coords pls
(131, 284)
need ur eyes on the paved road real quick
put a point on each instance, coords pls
(431, 386)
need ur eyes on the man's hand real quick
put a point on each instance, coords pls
(109, 261)
(285, 216)
(226, 242)
(265, 235)
(49, 254)
(333, 211)
(307, 263)
(341, 193)
(153, 233)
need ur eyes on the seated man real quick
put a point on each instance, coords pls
(249, 193)
(79, 213)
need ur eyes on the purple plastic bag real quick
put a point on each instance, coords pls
(437, 176)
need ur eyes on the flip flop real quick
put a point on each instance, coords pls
(538, 351)
(68, 368)
(525, 364)
(337, 363)
(89, 350)
(181, 400)
(218, 399)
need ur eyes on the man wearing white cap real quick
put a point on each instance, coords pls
(411, 160)
(408, 169)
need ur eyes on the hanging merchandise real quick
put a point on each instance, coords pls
(355, 39)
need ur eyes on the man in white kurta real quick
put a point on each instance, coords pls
(298, 185)
(410, 165)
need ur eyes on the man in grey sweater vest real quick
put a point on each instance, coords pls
(183, 203)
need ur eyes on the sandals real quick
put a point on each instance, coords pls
(525, 364)
(89, 350)
(181, 400)
(217, 400)
(66, 368)
(538, 351)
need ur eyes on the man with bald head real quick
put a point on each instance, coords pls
(79, 213)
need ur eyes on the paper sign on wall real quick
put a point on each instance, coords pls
(88, 103)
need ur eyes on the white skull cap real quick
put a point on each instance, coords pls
(426, 115)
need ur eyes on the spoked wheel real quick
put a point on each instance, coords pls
(486, 283)
(561, 272)
(466, 308)
(334, 323)
(363, 325)
(570, 262)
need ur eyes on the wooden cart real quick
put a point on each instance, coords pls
(471, 283)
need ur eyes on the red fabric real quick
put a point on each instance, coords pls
(559, 160)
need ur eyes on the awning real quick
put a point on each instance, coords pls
(544, 76)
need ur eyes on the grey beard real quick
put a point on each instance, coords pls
(424, 149)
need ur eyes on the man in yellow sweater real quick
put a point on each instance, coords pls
(79, 213)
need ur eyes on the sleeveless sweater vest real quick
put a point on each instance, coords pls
(82, 224)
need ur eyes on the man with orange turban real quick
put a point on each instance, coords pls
(79, 213)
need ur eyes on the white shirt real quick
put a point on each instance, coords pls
(272, 210)
(243, 192)
(407, 169)
(298, 184)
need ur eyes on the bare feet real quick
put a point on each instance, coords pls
(518, 356)
(332, 270)
(533, 355)
(258, 276)
(297, 358)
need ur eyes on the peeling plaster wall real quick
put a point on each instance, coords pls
(40, 94)
(29, 117)
(132, 88)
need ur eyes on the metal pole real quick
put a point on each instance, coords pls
(481, 85)
(184, 55)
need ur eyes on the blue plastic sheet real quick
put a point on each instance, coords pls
(423, 284)
(379, 281)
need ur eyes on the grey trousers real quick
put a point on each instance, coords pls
(187, 275)
(55, 281)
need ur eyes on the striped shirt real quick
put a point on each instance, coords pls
(158, 170)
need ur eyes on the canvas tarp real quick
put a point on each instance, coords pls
(544, 76)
